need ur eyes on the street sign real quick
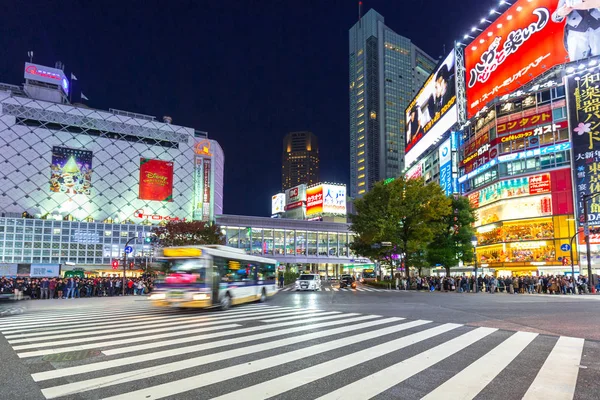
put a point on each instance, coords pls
(386, 244)
(128, 249)
(565, 247)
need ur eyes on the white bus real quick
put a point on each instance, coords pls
(213, 276)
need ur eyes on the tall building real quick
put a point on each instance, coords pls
(386, 71)
(300, 159)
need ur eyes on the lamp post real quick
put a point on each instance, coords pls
(572, 262)
(474, 243)
(586, 232)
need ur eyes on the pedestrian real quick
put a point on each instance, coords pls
(70, 286)
(44, 285)
(281, 279)
(52, 287)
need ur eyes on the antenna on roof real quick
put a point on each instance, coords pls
(30, 55)
(359, 10)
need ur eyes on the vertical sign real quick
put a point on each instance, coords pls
(198, 185)
(156, 180)
(206, 190)
(446, 167)
(583, 96)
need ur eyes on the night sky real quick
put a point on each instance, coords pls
(246, 71)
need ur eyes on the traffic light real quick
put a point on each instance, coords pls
(115, 264)
(150, 239)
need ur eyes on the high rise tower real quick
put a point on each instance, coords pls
(386, 71)
(300, 159)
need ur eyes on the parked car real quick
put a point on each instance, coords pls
(308, 282)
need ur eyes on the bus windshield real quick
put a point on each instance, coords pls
(187, 271)
(368, 274)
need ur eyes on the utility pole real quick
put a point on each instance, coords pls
(125, 264)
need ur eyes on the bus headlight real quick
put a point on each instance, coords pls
(201, 296)
(157, 296)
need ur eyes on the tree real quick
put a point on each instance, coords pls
(453, 244)
(407, 213)
(181, 233)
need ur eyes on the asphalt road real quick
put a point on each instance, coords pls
(307, 345)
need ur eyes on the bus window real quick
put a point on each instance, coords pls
(266, 272)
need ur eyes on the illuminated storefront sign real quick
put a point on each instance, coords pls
(540, 130)
(534, 88)
(521, 44)
(432, 112)
(314, 200)
(202, 148)
(141, 214)
(445, 156)
(156, 180)
(334, 199)
(535, 152)
(512, 209)
(517, 187)
(295, 197)
(523, 123)
(206, 189)
(415, 172)
(583, 100)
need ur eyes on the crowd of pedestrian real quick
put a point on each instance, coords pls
(544, 284)
(70, 288)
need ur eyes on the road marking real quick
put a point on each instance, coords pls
(335, 289)
(198, 381)
(557, 378)
(386, 378)
(223, 374)
(327, 289)
(463, 386)
(288, 382)
(41, 376)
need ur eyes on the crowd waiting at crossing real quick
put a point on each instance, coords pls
(70, 288)
(544, 284)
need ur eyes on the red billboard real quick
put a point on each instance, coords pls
(156, 180)
(524, 42)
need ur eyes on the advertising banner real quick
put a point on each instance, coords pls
(517, 208)
(511, 188)
(40, 73)
(295, 197)
(156, 180)
(583, 96)
(71, 171)
(278, 203)
(506, 127)
(433, 111)
(8, 270)
(206, 186)
(314, 200)
(446, 168)
(527, 40)
(415, 172)
(42, 270)
(334, 199)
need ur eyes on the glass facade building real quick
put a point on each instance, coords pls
(386, 71)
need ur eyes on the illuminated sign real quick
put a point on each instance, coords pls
(314, 200)
(523, 43)
(334, 199)
(415, 172)
(203, 148)
(182, 252)
(445, 155)
(511, 209)
(504, 128)
(534, 88)
(432, 112)
(295, 197)
(278, 203)
(53, 76)
(535, 152)
(141, 214)
(156, 180)
(71, 171)
(517, 187)
(584, 121)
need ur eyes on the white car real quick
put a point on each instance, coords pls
(308, 282)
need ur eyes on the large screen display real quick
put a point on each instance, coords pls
(156, 180)
(527, 40)
(71, 171)
(278, 203)
(334, 199)
(432, 112)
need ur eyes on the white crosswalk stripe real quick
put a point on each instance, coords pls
(159, 353)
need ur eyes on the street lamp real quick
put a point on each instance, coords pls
(586, 232)
(474, 243)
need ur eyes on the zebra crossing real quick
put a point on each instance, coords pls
(361, 288)
(264, 351)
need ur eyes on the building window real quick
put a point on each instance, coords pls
(373, 115)
(361, 145)
(361, 184)
(362, 191)
(362, 160)
(361, 176)
(360, 153)
(361, 168)
(362, 137)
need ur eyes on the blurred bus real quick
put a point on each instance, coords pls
(213, 276)
(368, 275)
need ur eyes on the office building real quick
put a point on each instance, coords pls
(386, 71)
(300, 159)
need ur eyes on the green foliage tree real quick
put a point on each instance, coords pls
(182, 233)
(407, 213)
(453, 243)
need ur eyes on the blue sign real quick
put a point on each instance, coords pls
(565, 247)
(128, 249)
(446, 178)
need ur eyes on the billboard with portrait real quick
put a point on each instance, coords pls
(334, 199)
(525, 41)
(583, 91)
(71, 171)
(433, 111)
(156, 180)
